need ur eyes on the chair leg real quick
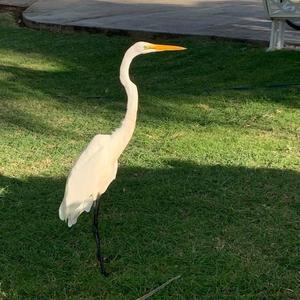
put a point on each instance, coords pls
(277, 35)
(272, 38)
(281, 29)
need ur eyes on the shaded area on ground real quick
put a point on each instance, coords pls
(184, 218)
(86, 77)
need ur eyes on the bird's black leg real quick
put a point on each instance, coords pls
(97, 237)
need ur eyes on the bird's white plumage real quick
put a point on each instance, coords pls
(97, 165)
(89, 178)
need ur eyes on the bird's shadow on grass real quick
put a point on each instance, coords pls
(155, 221)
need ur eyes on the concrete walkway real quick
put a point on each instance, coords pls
(237, 19)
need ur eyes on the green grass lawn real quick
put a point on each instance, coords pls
(209, 187)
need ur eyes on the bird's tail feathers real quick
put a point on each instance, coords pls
(62, 211)
(70, 214)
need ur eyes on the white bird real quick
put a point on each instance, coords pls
(97, 165)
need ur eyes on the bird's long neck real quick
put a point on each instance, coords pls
(131, 90)
(123, 134)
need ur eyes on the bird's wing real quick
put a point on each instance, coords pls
(89, 178)
(97, 143)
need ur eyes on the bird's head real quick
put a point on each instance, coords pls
(141, 48)
(144, 48)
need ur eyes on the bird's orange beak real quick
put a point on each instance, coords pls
(158, 47)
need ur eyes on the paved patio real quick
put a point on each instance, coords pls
(237, 19)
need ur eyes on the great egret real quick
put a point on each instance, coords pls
(97, 165)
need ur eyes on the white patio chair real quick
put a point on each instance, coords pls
(279, 11)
